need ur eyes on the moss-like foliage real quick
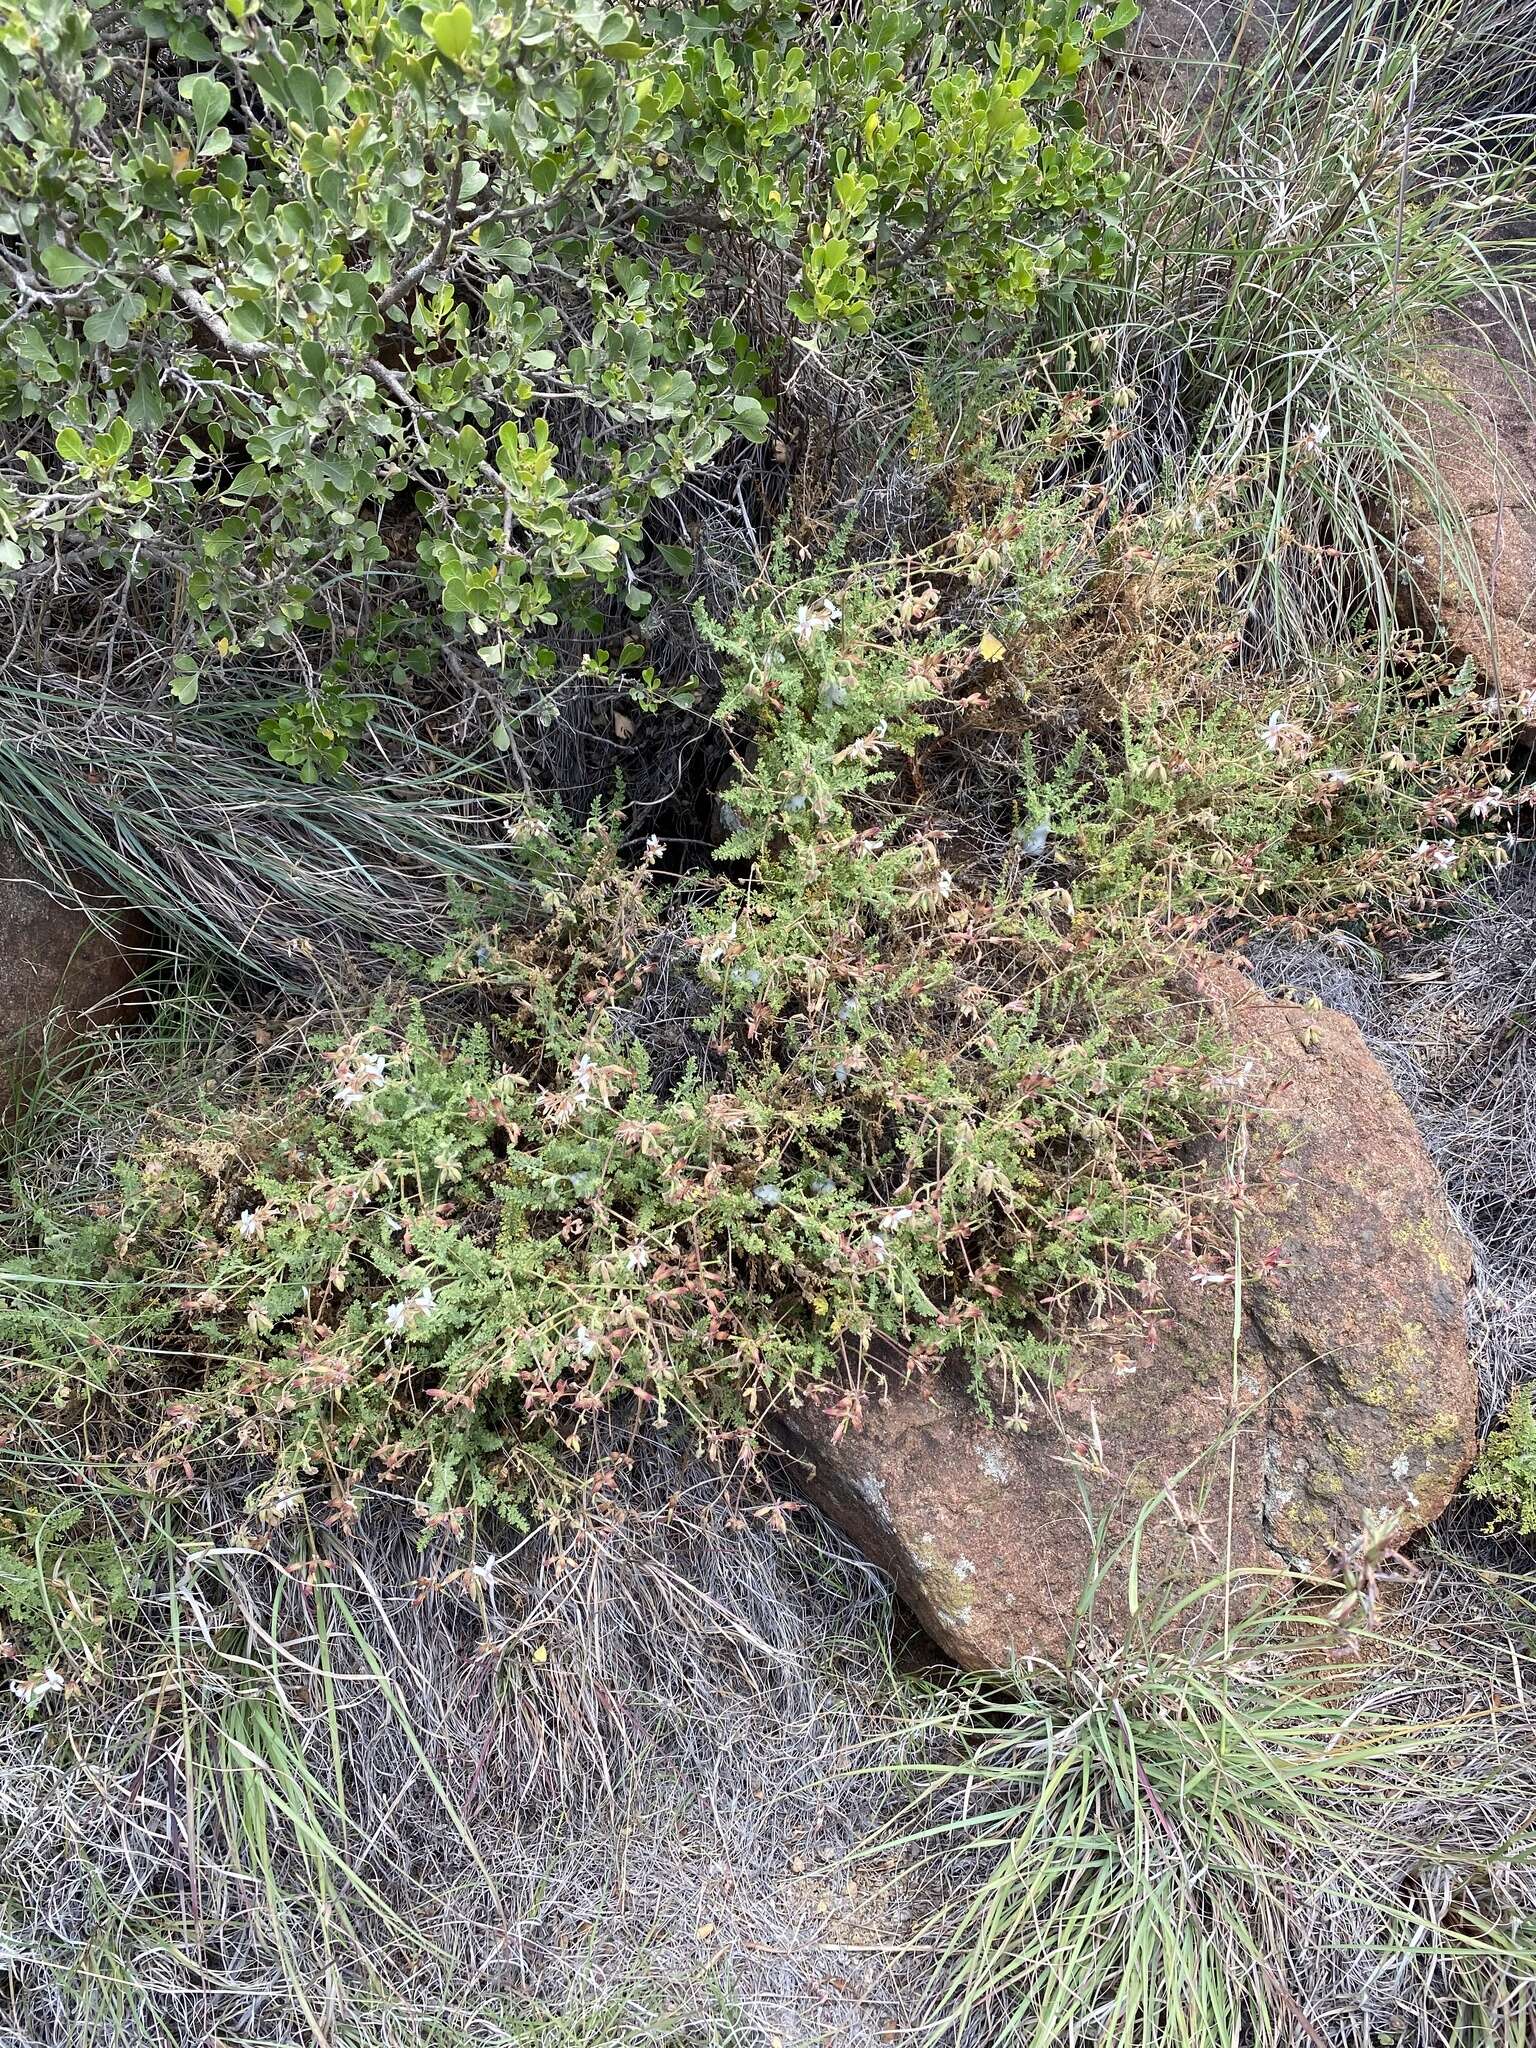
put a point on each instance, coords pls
(1504, 1477)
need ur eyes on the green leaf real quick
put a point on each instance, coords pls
(208, 99)
(751, 416)
(452, 31)
(246, 322)
(619, 37)
(69, 443)
(65, 268)
(110, 325)
(114, 442)
(306, 90)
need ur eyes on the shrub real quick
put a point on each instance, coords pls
(376, 334)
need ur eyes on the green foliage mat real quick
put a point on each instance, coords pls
(907, 1080)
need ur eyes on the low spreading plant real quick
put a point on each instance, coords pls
(905, 1083)
(913, 1117)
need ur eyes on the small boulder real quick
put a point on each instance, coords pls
(1294, 1402)
(59, 969)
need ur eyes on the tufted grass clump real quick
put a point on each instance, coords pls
(1304, 219)
(493, 1793)
(1292, 1831)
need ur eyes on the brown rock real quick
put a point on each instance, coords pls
(1292, 1403)
(1480, 438)
(59, 969)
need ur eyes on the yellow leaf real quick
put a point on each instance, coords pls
(991, 648)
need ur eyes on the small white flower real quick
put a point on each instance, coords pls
(637, 1258)
(1313, 435)
(583, 1074)
(877, 1247)
(895, 1218)
(357, 1079)
(1436, 854)
(1235, 1082)
(654, 849)
(400, 1315)
(250, 1225)
(586, 1343)
(1285, 738)
(811, 619)
(30, 1690)
(946, 883)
